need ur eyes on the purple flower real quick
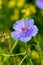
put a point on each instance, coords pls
(39, 3)
(24, 30)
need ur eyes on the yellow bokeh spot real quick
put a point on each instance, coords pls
(0, 35)
(32, 8)
(11, 3)
(15, 16)
(34, 54)
(23, 11)
(0, 4)
(26, 12)
(0, 7)
(20, 3)
(42, 12)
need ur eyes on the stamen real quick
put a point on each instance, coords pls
(24, 29)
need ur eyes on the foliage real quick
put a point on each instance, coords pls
(13, 52)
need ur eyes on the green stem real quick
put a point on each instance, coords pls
(14, 46)
(11, 50)
(23, 59)
(26, 47)
(13, 54)
(38, 45)
(31, 61)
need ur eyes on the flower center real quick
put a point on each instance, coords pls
(24, 29)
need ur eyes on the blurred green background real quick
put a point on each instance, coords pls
(13, 52)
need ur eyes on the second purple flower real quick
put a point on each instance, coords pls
(39, 3)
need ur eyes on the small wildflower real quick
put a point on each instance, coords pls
(11, 3)
(20, 3)
(15, 16)
(4, 35)
(34, 54)
(39, 3)
(24, 30)
(29, 10)
(26, 12)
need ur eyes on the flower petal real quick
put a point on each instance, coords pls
(25, 39)
(34, 31)
(29, 23)
(16, 35)
(39, 3)
(18, 25)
